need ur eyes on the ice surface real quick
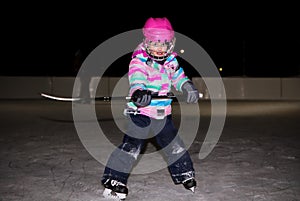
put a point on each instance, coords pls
(256, 158)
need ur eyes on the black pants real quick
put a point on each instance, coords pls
(123, 158)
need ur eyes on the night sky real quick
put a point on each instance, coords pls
(41, 40)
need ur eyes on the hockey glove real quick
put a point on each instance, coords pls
(141, 98)
(190, 92)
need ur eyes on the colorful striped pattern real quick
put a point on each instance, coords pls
(155, 77)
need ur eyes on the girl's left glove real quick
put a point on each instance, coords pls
(190, 92)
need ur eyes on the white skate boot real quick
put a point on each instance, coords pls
(115, 190)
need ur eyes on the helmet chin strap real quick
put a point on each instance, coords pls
(156, 58)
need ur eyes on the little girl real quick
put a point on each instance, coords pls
(153, 70)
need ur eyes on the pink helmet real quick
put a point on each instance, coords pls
(159, 30)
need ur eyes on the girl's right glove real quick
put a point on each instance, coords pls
(141, 98)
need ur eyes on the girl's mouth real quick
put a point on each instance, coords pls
(158, 53)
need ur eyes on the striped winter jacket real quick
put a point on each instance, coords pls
(145, 73)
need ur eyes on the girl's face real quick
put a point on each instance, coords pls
(158, 49)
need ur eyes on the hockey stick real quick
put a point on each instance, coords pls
(103, 98)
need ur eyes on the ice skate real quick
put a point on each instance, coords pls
(115, 190)
(190, 184)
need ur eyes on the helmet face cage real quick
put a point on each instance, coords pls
(152, 46)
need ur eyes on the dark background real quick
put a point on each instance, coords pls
(244, 40)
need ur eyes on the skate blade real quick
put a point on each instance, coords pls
(192, 189)
(109, 194)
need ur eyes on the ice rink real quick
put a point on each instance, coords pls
(257, 157)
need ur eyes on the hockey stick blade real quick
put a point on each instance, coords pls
(48, 96)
